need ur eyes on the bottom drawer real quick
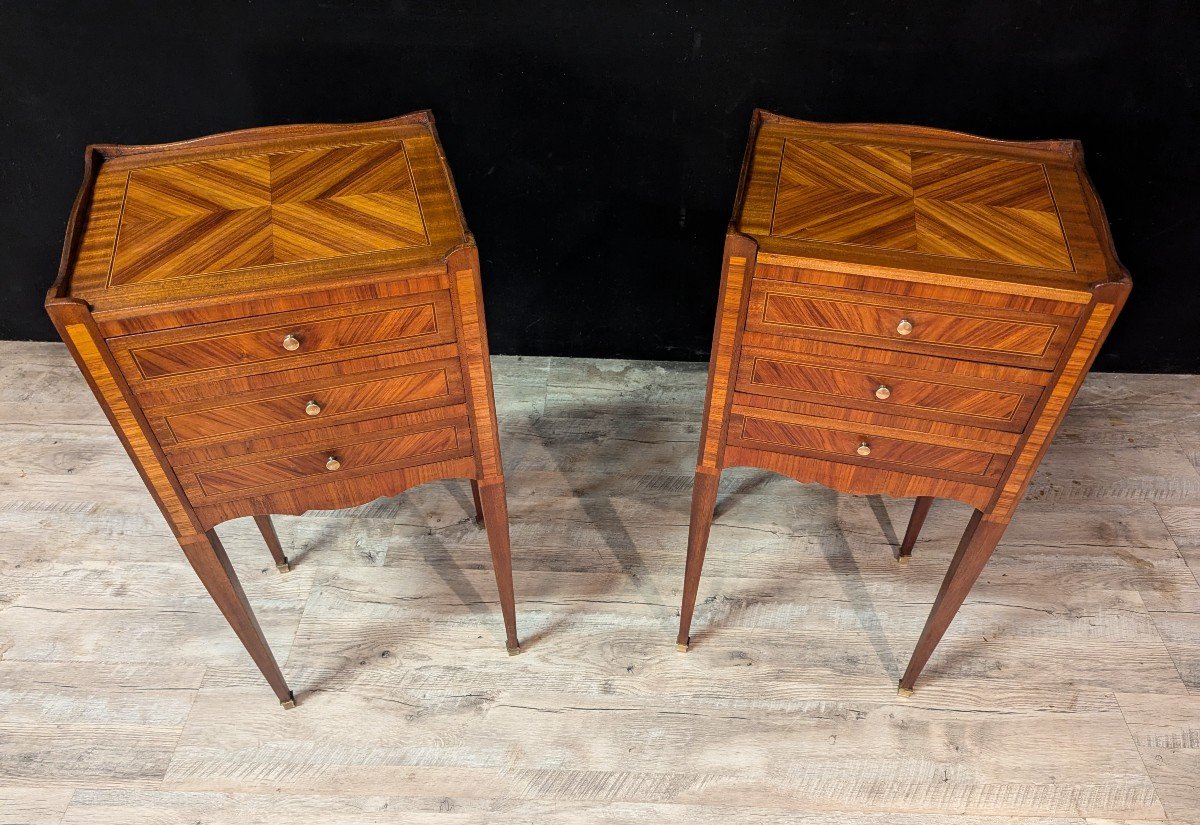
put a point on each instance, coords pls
(254, 475)
(851, 447)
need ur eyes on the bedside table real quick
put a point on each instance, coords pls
(904, 311)
(279, 320)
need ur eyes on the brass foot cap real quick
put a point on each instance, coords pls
(513, 650)
(290, 702)
(284, 567)
(905, 559)
(682, 647)
(904, 692)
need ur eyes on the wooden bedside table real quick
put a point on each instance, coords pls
(904, 311)
(280, 320)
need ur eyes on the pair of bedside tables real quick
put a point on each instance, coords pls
(291, 318)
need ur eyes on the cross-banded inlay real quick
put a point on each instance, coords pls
(936, 203)
(255, 210)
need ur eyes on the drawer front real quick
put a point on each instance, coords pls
(896, 322)
(847, 446)
(319, 403)
(189, 458)
(441, 441)
(284, 340)
(889, 389)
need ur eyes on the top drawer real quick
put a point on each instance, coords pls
(976, 333)
(285, 340)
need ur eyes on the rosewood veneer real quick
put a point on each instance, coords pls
(905, 311)
(284, 319)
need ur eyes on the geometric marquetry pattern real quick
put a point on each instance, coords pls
(255, 210)
(936, 203)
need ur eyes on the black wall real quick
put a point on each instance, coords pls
(596, 146)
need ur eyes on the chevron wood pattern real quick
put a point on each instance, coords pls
(274, 471)
(941, 327)
(427, 387)
(263, 345)
(932, 202)
(765, 372)
(284, 319)
(231, 213)
(920, 308)
(844, 444)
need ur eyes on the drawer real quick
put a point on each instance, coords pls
(319, 403)
(235, 478)
(284, 340)
(851, 447)
(210, 453)
(874, 384)
(979, 333)
(877, 422)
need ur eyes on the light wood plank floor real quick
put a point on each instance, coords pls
(1067, 691)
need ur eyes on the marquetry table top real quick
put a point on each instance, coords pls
(262, 208)
(925, 200)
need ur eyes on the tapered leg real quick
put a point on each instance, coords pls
(495, 520)
(915, 522)
(974, 549)
(704, 501)
(478, 503)
(272, 539)
(211, 564)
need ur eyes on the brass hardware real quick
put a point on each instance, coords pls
(864, 449)
(904, 692)
(683, 647)
(513, 650)
(291, 343)
(288, 703)
(904, 327)
(332, 464)
(284, 566)
(312, 408)
(883, 393)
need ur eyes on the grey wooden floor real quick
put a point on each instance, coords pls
(1067, 691)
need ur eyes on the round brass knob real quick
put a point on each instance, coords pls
(312, 408)
(904, 327)
(291, 343)
(883, 393)
(332, 464)
(864, 449)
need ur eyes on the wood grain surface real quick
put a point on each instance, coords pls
(222, 214)
(279, 320)
(853, 327)
(913, 202)
(1066, 693)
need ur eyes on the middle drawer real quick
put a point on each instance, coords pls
(889, 382)
(309, 404)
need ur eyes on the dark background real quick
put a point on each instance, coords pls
(596, 146)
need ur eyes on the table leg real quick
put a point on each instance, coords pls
(974, 549)
(272, 539)
(915, 522)
(704, 502)
(495, 521)
(478, 503)
(208, 558)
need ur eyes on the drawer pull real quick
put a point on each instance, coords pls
(332, 464)
(312, 408)
(904, 327)
(864, 449)
(883, 393)
(291, 343)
